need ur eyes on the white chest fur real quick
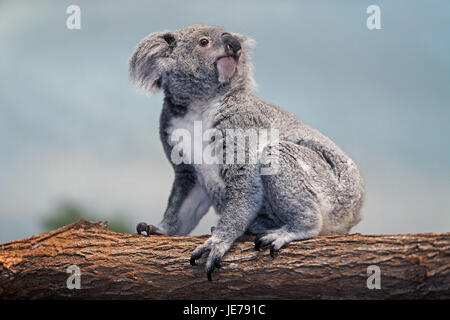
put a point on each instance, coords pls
(187, 134)
(198, 119)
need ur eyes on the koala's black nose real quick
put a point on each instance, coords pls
(232, 45)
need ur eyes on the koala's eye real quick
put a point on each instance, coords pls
(204, 42)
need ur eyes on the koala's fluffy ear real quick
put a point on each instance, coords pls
(247, 45)
(152, 60)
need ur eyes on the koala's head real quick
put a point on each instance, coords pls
(195, 63)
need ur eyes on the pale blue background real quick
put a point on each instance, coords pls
(73, 127)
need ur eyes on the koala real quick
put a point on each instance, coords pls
(205, 73)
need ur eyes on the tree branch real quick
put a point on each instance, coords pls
(120, 265)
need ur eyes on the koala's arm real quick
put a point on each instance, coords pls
(187, 203)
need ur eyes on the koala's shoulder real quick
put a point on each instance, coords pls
(247, 111)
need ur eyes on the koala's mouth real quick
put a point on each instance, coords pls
(226, 67)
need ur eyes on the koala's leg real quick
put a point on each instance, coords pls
(298, 194)
(264, 221)
(241, 204)
(188, 203)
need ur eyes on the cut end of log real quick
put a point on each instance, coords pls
(109, 265)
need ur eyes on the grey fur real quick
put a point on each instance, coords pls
(317, 190)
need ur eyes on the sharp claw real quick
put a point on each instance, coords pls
(258, 237)
(272, 252)
(194, 257)
(258, 242)
(217, 261)
(141, 226)
(208, 274)
(215, 264)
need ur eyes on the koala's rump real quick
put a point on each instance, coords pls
(307, 185)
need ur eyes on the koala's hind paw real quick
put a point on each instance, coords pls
(148, 228)
(276, 240)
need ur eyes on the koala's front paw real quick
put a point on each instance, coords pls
(148, 228)
(216, 249)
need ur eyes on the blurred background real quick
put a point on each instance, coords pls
(78, 140)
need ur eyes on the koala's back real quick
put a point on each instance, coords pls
(342, 183)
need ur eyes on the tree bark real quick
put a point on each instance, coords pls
(131, 266)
